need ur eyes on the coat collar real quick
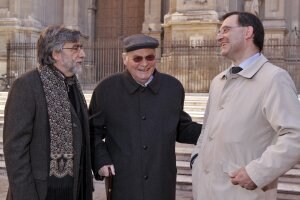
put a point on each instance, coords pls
(132, 86)
(250, 71)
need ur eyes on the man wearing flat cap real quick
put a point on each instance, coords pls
(135, 118)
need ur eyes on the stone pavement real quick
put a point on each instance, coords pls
(99, 193)
(3, 187)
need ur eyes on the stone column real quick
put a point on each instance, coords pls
(71, 11)
(91, 20)
(14, 8)
(152, 23)
(275, 26)
(252, 6)
(274, 19)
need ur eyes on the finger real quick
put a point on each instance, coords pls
(104, 171)
(234, 173)
(100, 172)
(231, 174)
(234, 181)
(251, 187)
(112, 168)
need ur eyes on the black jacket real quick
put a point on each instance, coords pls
(140, 126)
(27, 141)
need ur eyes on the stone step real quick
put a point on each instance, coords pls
(184, 182)
(291, 176)
(1, 152)
(288, 191)
(297, 166)
(2, 164)
(287, 196)
(195, 119)
(183, 153)
(183, 168)
(196, 104)
(195, 113)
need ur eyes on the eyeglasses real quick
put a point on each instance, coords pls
(76, 47)
(138, 59)
(226, 29)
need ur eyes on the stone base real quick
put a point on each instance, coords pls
(182, 26)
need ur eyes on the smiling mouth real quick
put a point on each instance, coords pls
(143, 70)
(223, 44)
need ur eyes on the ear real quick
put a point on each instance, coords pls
(125, 58)
(249, 32)
(56, 55)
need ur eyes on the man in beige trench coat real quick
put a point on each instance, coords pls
(251, 130)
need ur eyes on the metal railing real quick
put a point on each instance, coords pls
(194, 63)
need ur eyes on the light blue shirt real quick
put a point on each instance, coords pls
(149, 81)
(246, 63)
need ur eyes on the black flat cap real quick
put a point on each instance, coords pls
(139, 41)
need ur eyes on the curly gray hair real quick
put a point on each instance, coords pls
(52, 39)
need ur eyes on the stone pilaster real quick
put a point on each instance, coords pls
(91, 20)
(274, 19)
(76, 16)
(71, 11)
(152, 23)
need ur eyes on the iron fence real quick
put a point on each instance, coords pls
(194, 63)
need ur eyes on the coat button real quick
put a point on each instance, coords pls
(145, 177)
(144, 117)
(74, 125)
(145, 147)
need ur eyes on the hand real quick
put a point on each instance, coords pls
(241, 177)
(103, 171)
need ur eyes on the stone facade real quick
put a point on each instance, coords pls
(195, 20)
(22, 20)
(188, 19)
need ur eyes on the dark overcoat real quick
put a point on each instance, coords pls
(27, 141)
(140, 126)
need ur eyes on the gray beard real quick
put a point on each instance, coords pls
(76, 70)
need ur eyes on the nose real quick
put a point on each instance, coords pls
(81, 53)
(219, 36)
(144, 62)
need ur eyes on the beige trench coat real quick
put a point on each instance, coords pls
(252, 120)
